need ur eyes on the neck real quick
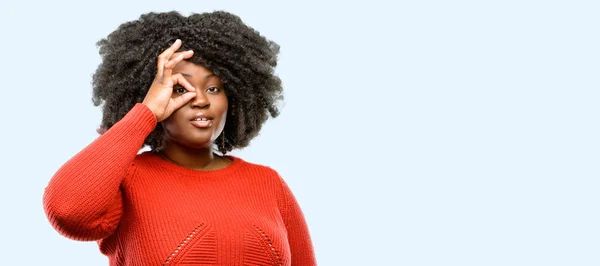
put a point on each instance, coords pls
(193, 158)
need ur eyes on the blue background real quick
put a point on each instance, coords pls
(413, 132)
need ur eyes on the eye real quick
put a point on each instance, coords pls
(179, 90)
(213, 89)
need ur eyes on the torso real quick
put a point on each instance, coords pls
(185, 219)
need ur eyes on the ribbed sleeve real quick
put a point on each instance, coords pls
(299, 239)
(82, 200)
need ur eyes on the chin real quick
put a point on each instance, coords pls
(197, 140)
(199, 146)
(191, 140)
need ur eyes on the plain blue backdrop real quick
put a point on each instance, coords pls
(413, 132)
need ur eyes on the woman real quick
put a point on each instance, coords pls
(181, 85)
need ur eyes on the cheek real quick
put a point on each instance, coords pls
(168, 127)
(224, 107)
(223, 117)
(172, 125)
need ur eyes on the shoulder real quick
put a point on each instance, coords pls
(266, 175)
(144, 158)
(263, 171)
(254, 166)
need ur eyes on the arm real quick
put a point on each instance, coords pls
(83, 200)
(298, 235)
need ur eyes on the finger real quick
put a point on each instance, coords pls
(168, 68)
(179, 79)
(165, 55)
(181, 100)
(178, 57)
(186, 54)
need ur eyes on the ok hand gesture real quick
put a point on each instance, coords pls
(158, 99)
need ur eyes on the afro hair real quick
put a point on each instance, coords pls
(240, 56)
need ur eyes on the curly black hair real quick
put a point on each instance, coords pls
(240, 56)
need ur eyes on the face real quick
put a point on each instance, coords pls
(183, 127)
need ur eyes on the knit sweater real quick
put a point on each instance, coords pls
(143, 210)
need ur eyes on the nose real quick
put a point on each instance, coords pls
(200, 100)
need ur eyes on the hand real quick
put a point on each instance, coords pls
(158, 99)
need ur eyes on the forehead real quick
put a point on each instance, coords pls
(191, 69)
(195, 73)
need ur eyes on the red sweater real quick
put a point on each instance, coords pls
(145, 211)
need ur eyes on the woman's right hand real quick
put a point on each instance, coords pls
(158, 99)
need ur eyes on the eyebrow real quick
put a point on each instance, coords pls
(189, 76)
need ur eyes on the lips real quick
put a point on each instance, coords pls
(201, 120)
(202, 123)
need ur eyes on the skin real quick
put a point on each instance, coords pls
(180, 90)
